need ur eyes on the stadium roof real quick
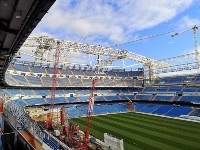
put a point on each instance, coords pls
(17, 20)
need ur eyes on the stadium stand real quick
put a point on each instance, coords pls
(41, 76)
(169, 89)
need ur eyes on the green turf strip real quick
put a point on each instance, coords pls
(99, 135)
(149, 132)
(162, 122)
(167, 120)
(151, 126)
(124, 135)
(143, 130)
(141, 138)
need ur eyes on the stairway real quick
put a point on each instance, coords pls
(180, 98)
(104, 97)
(143, 90)
(27, 80)
(168, 89)
(33, 92)
(42, 82)
(22, 92)
(82, 83)
(182, 89)
(172, 99)
(69, 81)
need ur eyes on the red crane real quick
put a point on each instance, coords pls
(49, 121)
(84, 144)
(89, 117)
(64, 121)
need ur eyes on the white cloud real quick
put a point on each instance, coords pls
(187, 22)
(79, 58)
(111, 20)
(106, 22)
(39, 32)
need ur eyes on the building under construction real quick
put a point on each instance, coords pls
(38, 98)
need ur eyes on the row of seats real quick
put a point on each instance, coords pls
(51, 143)
(103, 95)
(36, 81)
(68, 71)
(39, 101)
(81, 110)
(12, 92)
(185, 98)
(135, 90)
(167, 110)
(175, 89)
(179, 79)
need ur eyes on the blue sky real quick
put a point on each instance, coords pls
(112, 21)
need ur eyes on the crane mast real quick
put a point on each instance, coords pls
(89, 112)
(195, 45)
(54, 84)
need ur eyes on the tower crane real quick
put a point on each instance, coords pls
(49, 121)
(89, 112)
(84, 144)
(194, 28)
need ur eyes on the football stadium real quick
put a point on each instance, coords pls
(49, 103)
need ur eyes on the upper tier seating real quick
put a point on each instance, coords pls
(23, 68)
(37, 75)
(185, 79)
(37, 69)
(46, 81)
(63, 82)
(34, 81)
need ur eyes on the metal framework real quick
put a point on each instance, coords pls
(188, 61)
(45, 43)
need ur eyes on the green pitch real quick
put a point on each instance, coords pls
(148, 132)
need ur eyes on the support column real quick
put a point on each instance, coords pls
(149, 74)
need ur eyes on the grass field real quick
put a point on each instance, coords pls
(148, 132)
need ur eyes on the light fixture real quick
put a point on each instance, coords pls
(18, 14)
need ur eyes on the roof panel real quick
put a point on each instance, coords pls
(6, 9)
(31, 13)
